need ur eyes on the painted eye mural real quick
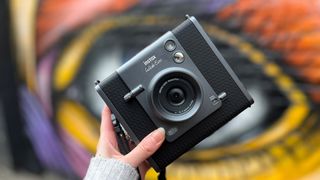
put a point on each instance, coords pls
(61, 47)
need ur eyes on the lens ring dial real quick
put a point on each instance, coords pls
(175, 80)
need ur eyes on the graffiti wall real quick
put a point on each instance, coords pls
(61, 47)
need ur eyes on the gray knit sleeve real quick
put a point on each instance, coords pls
(101, 168)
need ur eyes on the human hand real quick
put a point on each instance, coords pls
(108, 147)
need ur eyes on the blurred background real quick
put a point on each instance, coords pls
(52, 51)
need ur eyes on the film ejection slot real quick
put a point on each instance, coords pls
(133, 93)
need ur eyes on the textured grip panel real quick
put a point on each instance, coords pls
(133, 113)
(207, 62)
(217, 76)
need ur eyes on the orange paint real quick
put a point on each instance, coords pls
(56, 18)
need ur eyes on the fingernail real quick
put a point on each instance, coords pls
(158, 135)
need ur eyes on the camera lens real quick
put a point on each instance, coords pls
(176, 96)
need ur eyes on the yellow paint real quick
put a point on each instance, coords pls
(293, 139)
(23, 34)
(272, 69)
(297, 96)
(286, 83)
(285, 165)
(151, 174)
(69, 63)
(245, 48)
(257, 57)
(79, 123)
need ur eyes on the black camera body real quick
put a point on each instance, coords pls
(179, 82)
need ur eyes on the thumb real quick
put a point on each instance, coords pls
(149, 145)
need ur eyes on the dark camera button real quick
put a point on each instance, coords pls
(178, 57)
(170, 45)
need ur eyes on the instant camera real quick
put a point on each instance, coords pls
(179, 82)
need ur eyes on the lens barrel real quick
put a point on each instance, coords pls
(176, 96)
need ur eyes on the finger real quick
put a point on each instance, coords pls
(145, 148)
(107, 145)
(107, 150)
(143, 168)
(106, 129)
(132, 145)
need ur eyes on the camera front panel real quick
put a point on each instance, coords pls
(175, 94)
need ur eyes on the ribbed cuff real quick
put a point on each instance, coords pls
(101, 168)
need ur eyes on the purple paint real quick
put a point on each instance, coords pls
(43, 137)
